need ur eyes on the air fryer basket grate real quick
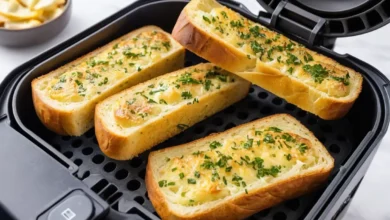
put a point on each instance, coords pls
(122, 185)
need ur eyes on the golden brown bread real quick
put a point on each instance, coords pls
(136, 119)
(299, 166)
(270, 60)
(65, 98)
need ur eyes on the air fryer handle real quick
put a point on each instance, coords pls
(34, 182)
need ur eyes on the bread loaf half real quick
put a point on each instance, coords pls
(147, 114)
(236, 173)
(311, 81)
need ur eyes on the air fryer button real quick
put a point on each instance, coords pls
(76, 207)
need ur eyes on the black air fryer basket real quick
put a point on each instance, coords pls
(47, 176)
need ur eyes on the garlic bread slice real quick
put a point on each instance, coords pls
(147, 114)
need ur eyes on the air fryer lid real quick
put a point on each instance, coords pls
(342, 18)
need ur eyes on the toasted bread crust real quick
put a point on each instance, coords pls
(247, 204)
(56, 120)
(109, 143)
(213, 49)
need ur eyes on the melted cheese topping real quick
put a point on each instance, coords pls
(234, 164)
(163, 94)
(97, 74)
(276, 51)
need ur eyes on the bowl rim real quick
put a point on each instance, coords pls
(66, 8)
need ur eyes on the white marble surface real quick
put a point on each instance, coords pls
(371, 201)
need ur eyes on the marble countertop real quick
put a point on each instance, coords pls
(372, 198)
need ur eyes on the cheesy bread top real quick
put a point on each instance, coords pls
(97, 73)
(225, 166)
(165, 93)
(276, 50)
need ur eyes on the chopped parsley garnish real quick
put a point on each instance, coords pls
(129, 54)
(214, 176)
(174, 169)
(131, 101)
(191, 181)
(257, 133)
(207, 84)
(317, 72)
(119, 62)
(207, 164)
(307, 57)
(290, 46)
(288, 137)
(224, 14)
(249, 143)
(222, 162)
(162, 183)
(167, 45)
(212, 74)
(206, 19)
(269, 54)
(162, 101)
(257, 48)
(186, 95)
(236, 24)
(62, 78)
(292, 59)
(268, 41)
(196, 100)
(187, 79)
(81, 87)
(279, 59)
(115, 46)
(181, 175)
(261, 171)
(279, 48)
(182, 126)
(255, 31)
(244, 36)
(197, 174)
(290, 70)
(288, 157)
(228, 169)
(102, 62)
(236, 179)
(215, 144)
(197, 153)
(268, 139)
(91, 63)
(302, 148)
(276, 37)
(344, 80)
(224, 180)
(275, 129)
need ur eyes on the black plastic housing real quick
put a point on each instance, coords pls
(342, 18)
(69, 163)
